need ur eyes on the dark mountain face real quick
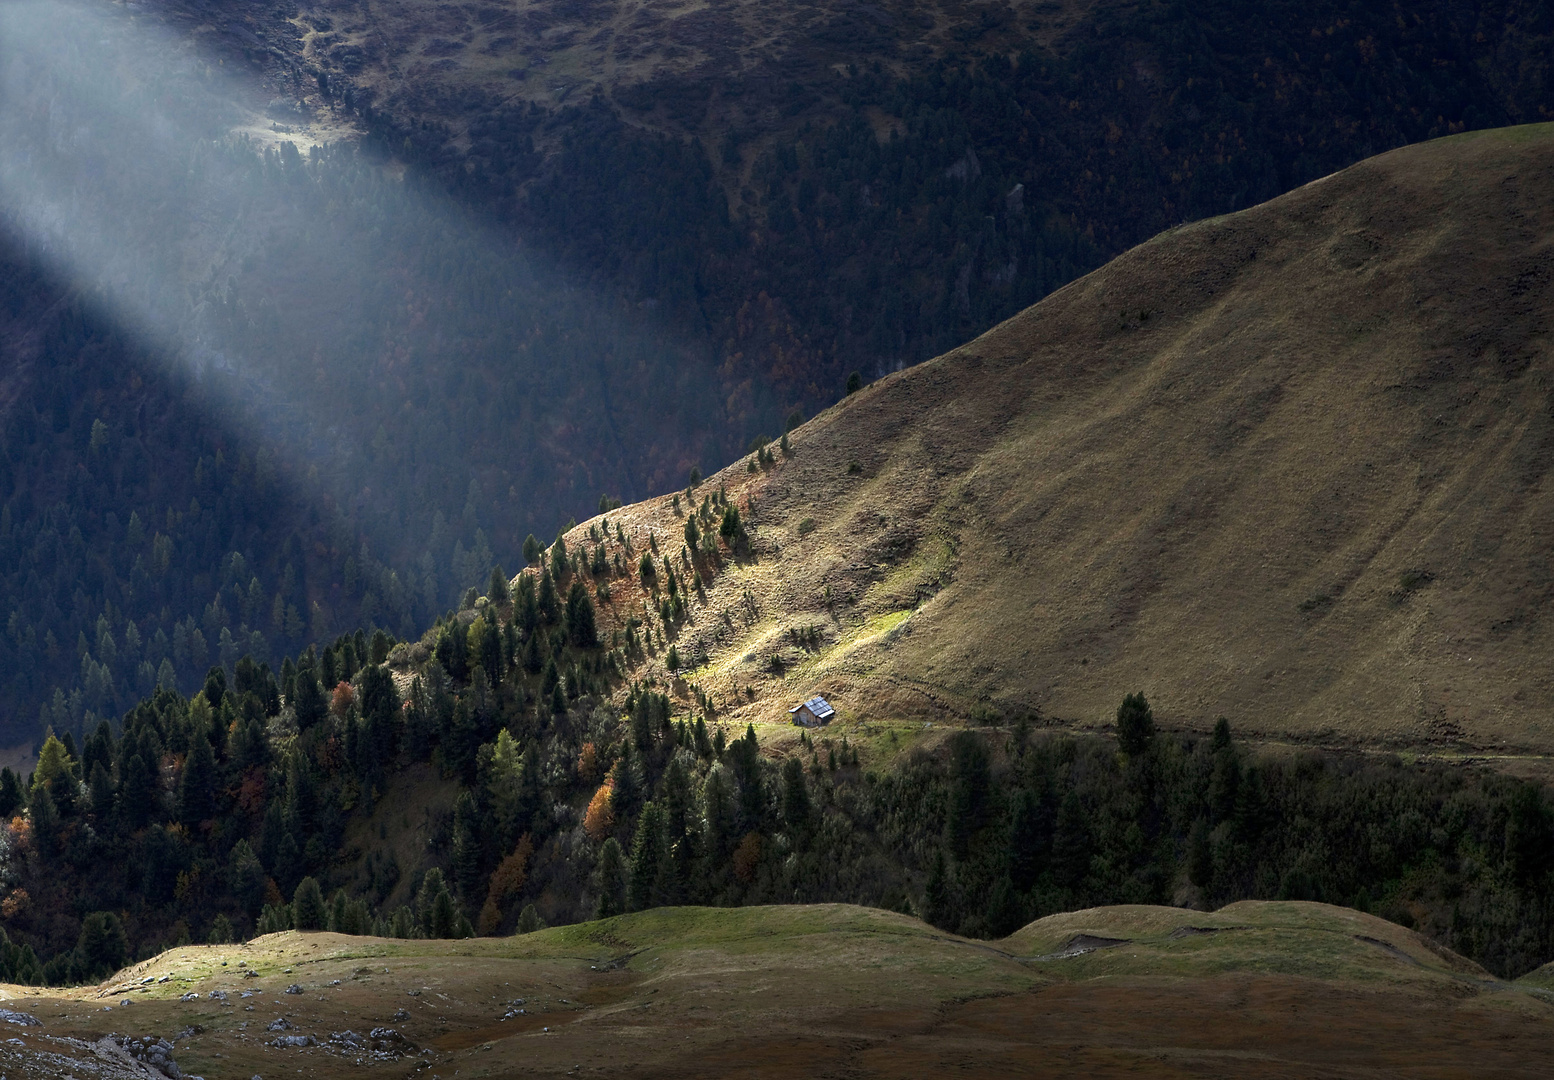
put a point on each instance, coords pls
(559, 262)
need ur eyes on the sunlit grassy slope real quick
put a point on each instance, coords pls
(1288, 466)
(780, 991)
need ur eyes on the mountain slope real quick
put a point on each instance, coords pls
(1287, 466)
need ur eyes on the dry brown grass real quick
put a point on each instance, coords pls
(1287, 466)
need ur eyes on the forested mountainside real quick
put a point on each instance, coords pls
(897, 177)
(608, 731)
(492, 777)
(595, 274)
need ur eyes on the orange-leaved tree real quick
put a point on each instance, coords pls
(506, 880)
(600, 818)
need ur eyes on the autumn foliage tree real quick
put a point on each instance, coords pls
(506, 881)
(600, 818)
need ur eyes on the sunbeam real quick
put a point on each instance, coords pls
(403, 357)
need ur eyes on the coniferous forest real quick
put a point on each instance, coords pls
(271, 800)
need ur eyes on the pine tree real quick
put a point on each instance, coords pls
(532, 549)
(795, 796)
(731, 528)
(139, 800)
(558, 559)
(246, 878)
(610, 880)
(498, 590)
(969, 782)
(646, 858)
(310, 705)
(45, 819)
(1200, 855)
(582, 627)
(445, 916)
(101, 948)
(1071, 842)
(938, 899)
(11, 797)
(307, 906)
(1135, 725)
(1026, 839)
(466, 847)
(197, 786)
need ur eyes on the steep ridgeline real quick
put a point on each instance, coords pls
(1288, 466)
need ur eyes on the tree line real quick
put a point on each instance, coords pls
(579, 788)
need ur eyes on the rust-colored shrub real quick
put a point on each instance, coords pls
(340, 703)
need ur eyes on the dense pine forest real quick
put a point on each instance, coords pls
(276, 799)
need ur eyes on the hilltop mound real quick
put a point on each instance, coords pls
(774, 991)
(1287, 466)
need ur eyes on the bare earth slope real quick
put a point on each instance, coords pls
(1289, 466)
(1255, 989)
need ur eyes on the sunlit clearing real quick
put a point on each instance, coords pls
(394, 352)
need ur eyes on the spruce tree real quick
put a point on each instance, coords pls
(101, 948)
(45, 820)
(101, 788)
(310, 705)
(1135, 725)
(466, 847)
(498, 590)
(582, 627)
(445, 916)
(307, 906)
(1027, 835)
(610, 880)
(11, 797)
(139, 799)
(197, 786)
(795, 797)
(532, 549)
(558, 559)
(731, 528)
(246, 878)
(1071, 842)
(646, 857)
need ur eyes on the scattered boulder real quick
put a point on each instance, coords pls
(21, 1019)
(154, 1053)
(294, 1040)
(294, 988)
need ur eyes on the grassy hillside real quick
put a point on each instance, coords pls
(778, 991)
(1286, 466)
(722, 210)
